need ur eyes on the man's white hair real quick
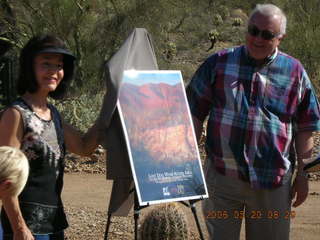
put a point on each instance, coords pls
(14, 166)
(271, 10)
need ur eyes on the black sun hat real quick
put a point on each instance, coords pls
(55, 49)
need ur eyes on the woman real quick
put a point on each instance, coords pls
(33, 125)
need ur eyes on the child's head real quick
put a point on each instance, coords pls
(14, 169)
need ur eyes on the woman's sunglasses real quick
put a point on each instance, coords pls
(265, 34)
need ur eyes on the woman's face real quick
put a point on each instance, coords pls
(48, 69)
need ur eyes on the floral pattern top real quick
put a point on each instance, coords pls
(43, 144)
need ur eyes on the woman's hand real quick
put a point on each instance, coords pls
(18, 225)
(22, 234)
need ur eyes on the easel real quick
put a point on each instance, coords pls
(136, 215)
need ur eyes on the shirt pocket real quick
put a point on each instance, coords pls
(277, 102)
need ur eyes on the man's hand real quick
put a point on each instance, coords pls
(300, 190)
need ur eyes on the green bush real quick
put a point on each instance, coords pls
(217, 20)
(81, 111)
(94, 30)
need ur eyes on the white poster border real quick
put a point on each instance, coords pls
(128, 145)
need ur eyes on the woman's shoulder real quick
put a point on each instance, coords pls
(11, 124)
(17, 104)
(14, 111)
(9, 113)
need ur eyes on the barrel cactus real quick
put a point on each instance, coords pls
(166, 222)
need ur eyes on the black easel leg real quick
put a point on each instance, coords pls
(137, 209)
(136, 216)
(107, 227)
(194, 211)
(136, 220)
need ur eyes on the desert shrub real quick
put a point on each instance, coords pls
(80, 111)
(213, 34)
(170, 51)
(95, 29)
(217, 19)
(303, 33)
(225, 12)
(237, 22)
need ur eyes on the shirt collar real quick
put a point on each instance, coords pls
(267, 60)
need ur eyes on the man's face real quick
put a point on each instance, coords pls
(258, 40)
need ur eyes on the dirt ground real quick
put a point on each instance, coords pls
(86, 200)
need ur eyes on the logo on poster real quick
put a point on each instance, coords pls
(165, 191)
(180, 189)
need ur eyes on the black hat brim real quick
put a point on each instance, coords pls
(57, 50)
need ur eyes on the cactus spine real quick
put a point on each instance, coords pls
(166, 222)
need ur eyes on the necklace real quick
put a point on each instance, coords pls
(41, 111)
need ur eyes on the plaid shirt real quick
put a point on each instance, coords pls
(253, 113)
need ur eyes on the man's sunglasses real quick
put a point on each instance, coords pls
(265, 34)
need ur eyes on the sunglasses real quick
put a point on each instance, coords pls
(264, 34)
(51, 67)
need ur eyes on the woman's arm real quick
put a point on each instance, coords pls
(11, 128)
(81, 144)
(11, 132)
(18, 225)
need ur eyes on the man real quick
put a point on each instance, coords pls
(261, 105)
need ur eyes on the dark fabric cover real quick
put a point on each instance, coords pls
(137, 53)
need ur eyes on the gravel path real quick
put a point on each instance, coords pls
(87, 223)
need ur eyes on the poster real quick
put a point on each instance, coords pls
(159, 134)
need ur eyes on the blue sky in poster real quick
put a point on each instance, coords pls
(145, 77)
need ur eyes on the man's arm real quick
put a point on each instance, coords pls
(304, 146)
(198, 126)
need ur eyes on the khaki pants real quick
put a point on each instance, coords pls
(267, 213)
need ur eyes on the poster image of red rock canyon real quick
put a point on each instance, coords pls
(164, 156)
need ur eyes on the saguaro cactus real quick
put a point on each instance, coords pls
(167, 222)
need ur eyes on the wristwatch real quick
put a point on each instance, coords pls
(302, 174)
(313, 165)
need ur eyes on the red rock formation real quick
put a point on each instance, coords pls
(157, 121)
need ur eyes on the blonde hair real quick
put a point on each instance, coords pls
(14, 166)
